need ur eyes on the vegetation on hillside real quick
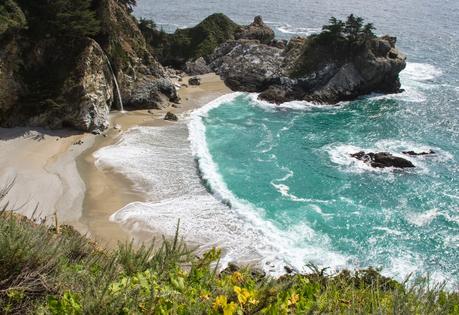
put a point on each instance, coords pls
(337, 41)
(55, 270)
(189, 43)
(11, 16)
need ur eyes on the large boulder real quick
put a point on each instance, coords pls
(382, 160)
(258, 30)
(197, 67)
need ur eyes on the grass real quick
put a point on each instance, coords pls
(55, 270)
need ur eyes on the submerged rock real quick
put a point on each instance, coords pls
(412, 153)
(382, 160)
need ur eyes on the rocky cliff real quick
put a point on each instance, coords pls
(324, 68)
(54, 79)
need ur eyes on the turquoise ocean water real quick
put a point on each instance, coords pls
(275, 184)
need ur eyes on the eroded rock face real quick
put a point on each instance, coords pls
(382, 160)
(253, 67)
(197, 67)
(89, 91)
(258, 30)
(60, 82)
(247, 65)
(143, 81)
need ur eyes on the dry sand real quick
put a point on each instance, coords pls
(52, 170)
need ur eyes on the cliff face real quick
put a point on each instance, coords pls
(310, 69)
(55, 82)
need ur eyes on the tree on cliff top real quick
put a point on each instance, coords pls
(352, 30)
(62, 18)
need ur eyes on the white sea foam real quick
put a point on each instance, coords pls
(415, 79)
(304, 31)
(293, 105)
(341, 154)
(284, 243)
(425, 218)
(420, 72)
(160, 161)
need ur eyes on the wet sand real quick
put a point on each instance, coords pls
(55, 171)
(108, 191)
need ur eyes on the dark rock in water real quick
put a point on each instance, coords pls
(412, 153)
(382, 160)
(171, 116)
(197, 67)
(194, 81)
(258, 30)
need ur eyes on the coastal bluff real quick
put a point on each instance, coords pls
(55, 73)
(343, 62)
(325, 68)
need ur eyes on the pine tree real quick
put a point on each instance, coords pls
(62, 18)
(335, 28)
(74, 18)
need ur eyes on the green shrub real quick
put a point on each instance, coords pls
(55, 270)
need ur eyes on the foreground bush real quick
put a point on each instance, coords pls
(57, 271)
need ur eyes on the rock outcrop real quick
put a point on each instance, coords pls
(197, 67)
(382, 160)
(258, 30)
(310, 69)
(57, 80)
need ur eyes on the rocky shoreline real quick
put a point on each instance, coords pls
(53, 79)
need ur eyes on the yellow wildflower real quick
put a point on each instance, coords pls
(293, 299)
(205, 295)
(237, 277)
(253, 301)
(220, 302)
(230, 309)
(243, 294)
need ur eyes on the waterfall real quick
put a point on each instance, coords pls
(120, 100)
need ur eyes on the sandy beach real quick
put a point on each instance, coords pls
(56, 171)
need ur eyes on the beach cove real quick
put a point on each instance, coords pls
(62, 181)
